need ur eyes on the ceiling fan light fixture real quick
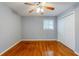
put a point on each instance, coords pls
(40, 7)
(38, 10)
(42, 10)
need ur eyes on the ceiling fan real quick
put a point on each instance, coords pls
(39, 7)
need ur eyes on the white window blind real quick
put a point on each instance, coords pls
(48, 25)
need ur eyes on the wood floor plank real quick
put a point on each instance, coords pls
(39, 48)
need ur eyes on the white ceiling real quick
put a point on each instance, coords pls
(22, 9)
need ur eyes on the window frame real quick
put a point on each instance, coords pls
(49, 27)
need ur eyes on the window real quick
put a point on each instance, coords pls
(48, 25)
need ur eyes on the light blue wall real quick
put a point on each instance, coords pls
(32, 28)
(74, 8)
(77, 29)
(10, 27)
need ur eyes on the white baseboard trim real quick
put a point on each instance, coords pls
(39, 39)
(10, 47)
(76, 53)
(70, 48)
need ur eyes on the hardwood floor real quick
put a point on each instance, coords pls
(39, 48)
